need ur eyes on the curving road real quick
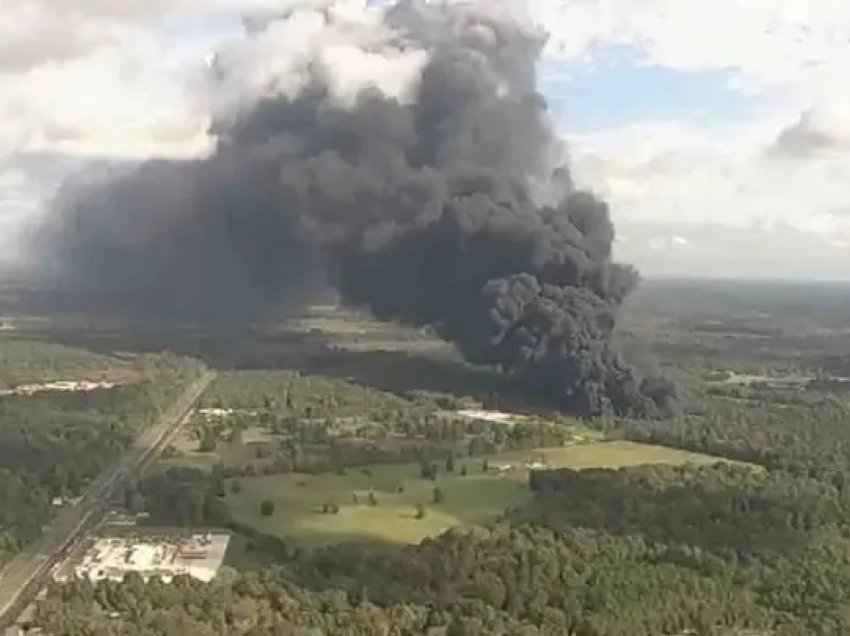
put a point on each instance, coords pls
(22, 577)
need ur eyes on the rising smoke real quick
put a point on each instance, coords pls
(405, 156)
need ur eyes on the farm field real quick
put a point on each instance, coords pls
(474, 498)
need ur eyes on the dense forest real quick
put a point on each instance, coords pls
(801, 432)
(756, 545)
(52, 444)
(649, 550)
(524, 580)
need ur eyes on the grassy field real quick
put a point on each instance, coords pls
(354, 331)
(477, 497)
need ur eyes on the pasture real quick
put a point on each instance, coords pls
(399, 492)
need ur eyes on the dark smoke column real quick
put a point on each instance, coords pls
(411, 154)
(454, 210)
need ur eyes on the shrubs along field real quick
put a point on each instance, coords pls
(402, 503)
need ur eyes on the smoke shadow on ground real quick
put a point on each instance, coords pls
(403, 373)
(400, 372)
(275, 343)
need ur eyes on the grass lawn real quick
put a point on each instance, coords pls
(478, 497)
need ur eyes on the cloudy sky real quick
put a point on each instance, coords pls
(719, 131)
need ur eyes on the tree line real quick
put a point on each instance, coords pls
(53, 445)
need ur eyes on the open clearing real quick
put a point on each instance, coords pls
(353, 331)
(477, 497)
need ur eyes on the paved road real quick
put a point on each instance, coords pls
(21, 579)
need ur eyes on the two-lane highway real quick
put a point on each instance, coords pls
(21, 579)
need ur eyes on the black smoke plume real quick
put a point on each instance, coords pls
(450, 206)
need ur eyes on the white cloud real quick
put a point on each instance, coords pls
(775, 191)
(32, 34)
(135, 10)
(715, 250)
(90, 79)
(124, 78)
(120, 95)
(351, 48)
(112, 78)
(768, 41)
(690, 204)
(676, 174)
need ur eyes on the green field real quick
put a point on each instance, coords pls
(477, 497)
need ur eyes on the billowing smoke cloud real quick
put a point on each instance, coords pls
(406, 155)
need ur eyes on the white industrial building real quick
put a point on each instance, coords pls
(491, 416)
(73, 386)
(198, 556)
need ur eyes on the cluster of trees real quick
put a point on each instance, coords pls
(337, 454)
(306, 396)
(804, 439)
(717, 550)
(24, 510)
(641, 551)
(525, 580)
(251, 603)
(181, 496)
(329, 445)
(735, 512)
(648, 550)
(30, 361)
(323, 424)
(53, 444)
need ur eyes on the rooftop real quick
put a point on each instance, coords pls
(198, 556)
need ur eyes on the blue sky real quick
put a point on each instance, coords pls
(617, 85)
